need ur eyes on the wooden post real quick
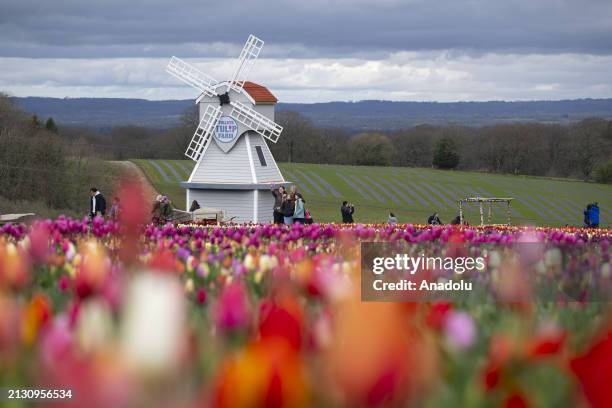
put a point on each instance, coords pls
(460, 212)
(509, 213)
(489, 215)
(481, 213)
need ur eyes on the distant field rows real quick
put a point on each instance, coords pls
(413, 194)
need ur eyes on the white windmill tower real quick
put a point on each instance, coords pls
(234, 168)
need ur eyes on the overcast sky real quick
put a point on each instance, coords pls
(316, 50)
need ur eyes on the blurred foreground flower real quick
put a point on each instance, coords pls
(231, 312)
(153, 332)
(267, 373)
(379, 355)
(593, 368)
(460, 330)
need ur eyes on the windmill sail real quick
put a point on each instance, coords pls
(192, 76)
(256, 121)
(203, 133)
(247, 57)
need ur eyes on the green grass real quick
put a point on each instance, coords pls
(417, 192)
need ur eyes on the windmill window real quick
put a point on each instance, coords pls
(262, 159)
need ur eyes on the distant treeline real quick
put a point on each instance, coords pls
(578, 150)
(581, 150)
(41, 169)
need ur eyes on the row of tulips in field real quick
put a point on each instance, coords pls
(265, 315)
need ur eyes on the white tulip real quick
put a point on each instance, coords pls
(153, 329)
(94, 326)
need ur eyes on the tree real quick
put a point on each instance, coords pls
(370, 149)
(445, 154)
(589, 146)
(603, 172)
(297, 139)
(50, 126)
(35, 122)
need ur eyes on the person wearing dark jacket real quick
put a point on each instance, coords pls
(347, 210)
(288, 208)
(434, 219)
(278, 202)
(97, 203)
(587, 215)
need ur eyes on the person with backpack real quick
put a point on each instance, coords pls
(434, 219)
(97, 203)
(456, 220)
(594, 216)
(347, 210)
(287, 209)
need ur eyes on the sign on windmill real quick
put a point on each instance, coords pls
(234, 168)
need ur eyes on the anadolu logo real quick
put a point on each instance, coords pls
(226, 130)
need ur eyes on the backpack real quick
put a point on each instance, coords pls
(287, 209)
(307, 214)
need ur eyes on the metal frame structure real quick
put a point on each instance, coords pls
(481, 201)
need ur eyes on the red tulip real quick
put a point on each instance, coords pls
(591, 369)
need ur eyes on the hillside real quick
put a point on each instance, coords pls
(103, 113)
(413, 194)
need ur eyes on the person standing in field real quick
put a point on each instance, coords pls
(115, 210)
(299, 214)
(434, 219)
(167, 209)
(278, 201)
(392, 220)
(97, 203)
(156, 211)
(587, 215)
(288, 208)
(594, 216)
(347, 210)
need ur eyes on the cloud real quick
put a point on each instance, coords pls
(299, 29)
(315, 50)
(419, 76)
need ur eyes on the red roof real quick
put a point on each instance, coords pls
(259, 93)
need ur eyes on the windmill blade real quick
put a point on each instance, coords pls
(191, 76)
(255, 121)
(202, 135)
(249, 54)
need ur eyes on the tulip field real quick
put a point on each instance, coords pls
(128, 314)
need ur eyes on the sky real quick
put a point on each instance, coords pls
(315, 50)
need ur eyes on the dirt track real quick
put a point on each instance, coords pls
(134, 172)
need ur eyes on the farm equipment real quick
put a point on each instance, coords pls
(15, 218)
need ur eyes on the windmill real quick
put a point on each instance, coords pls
(234, 168)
